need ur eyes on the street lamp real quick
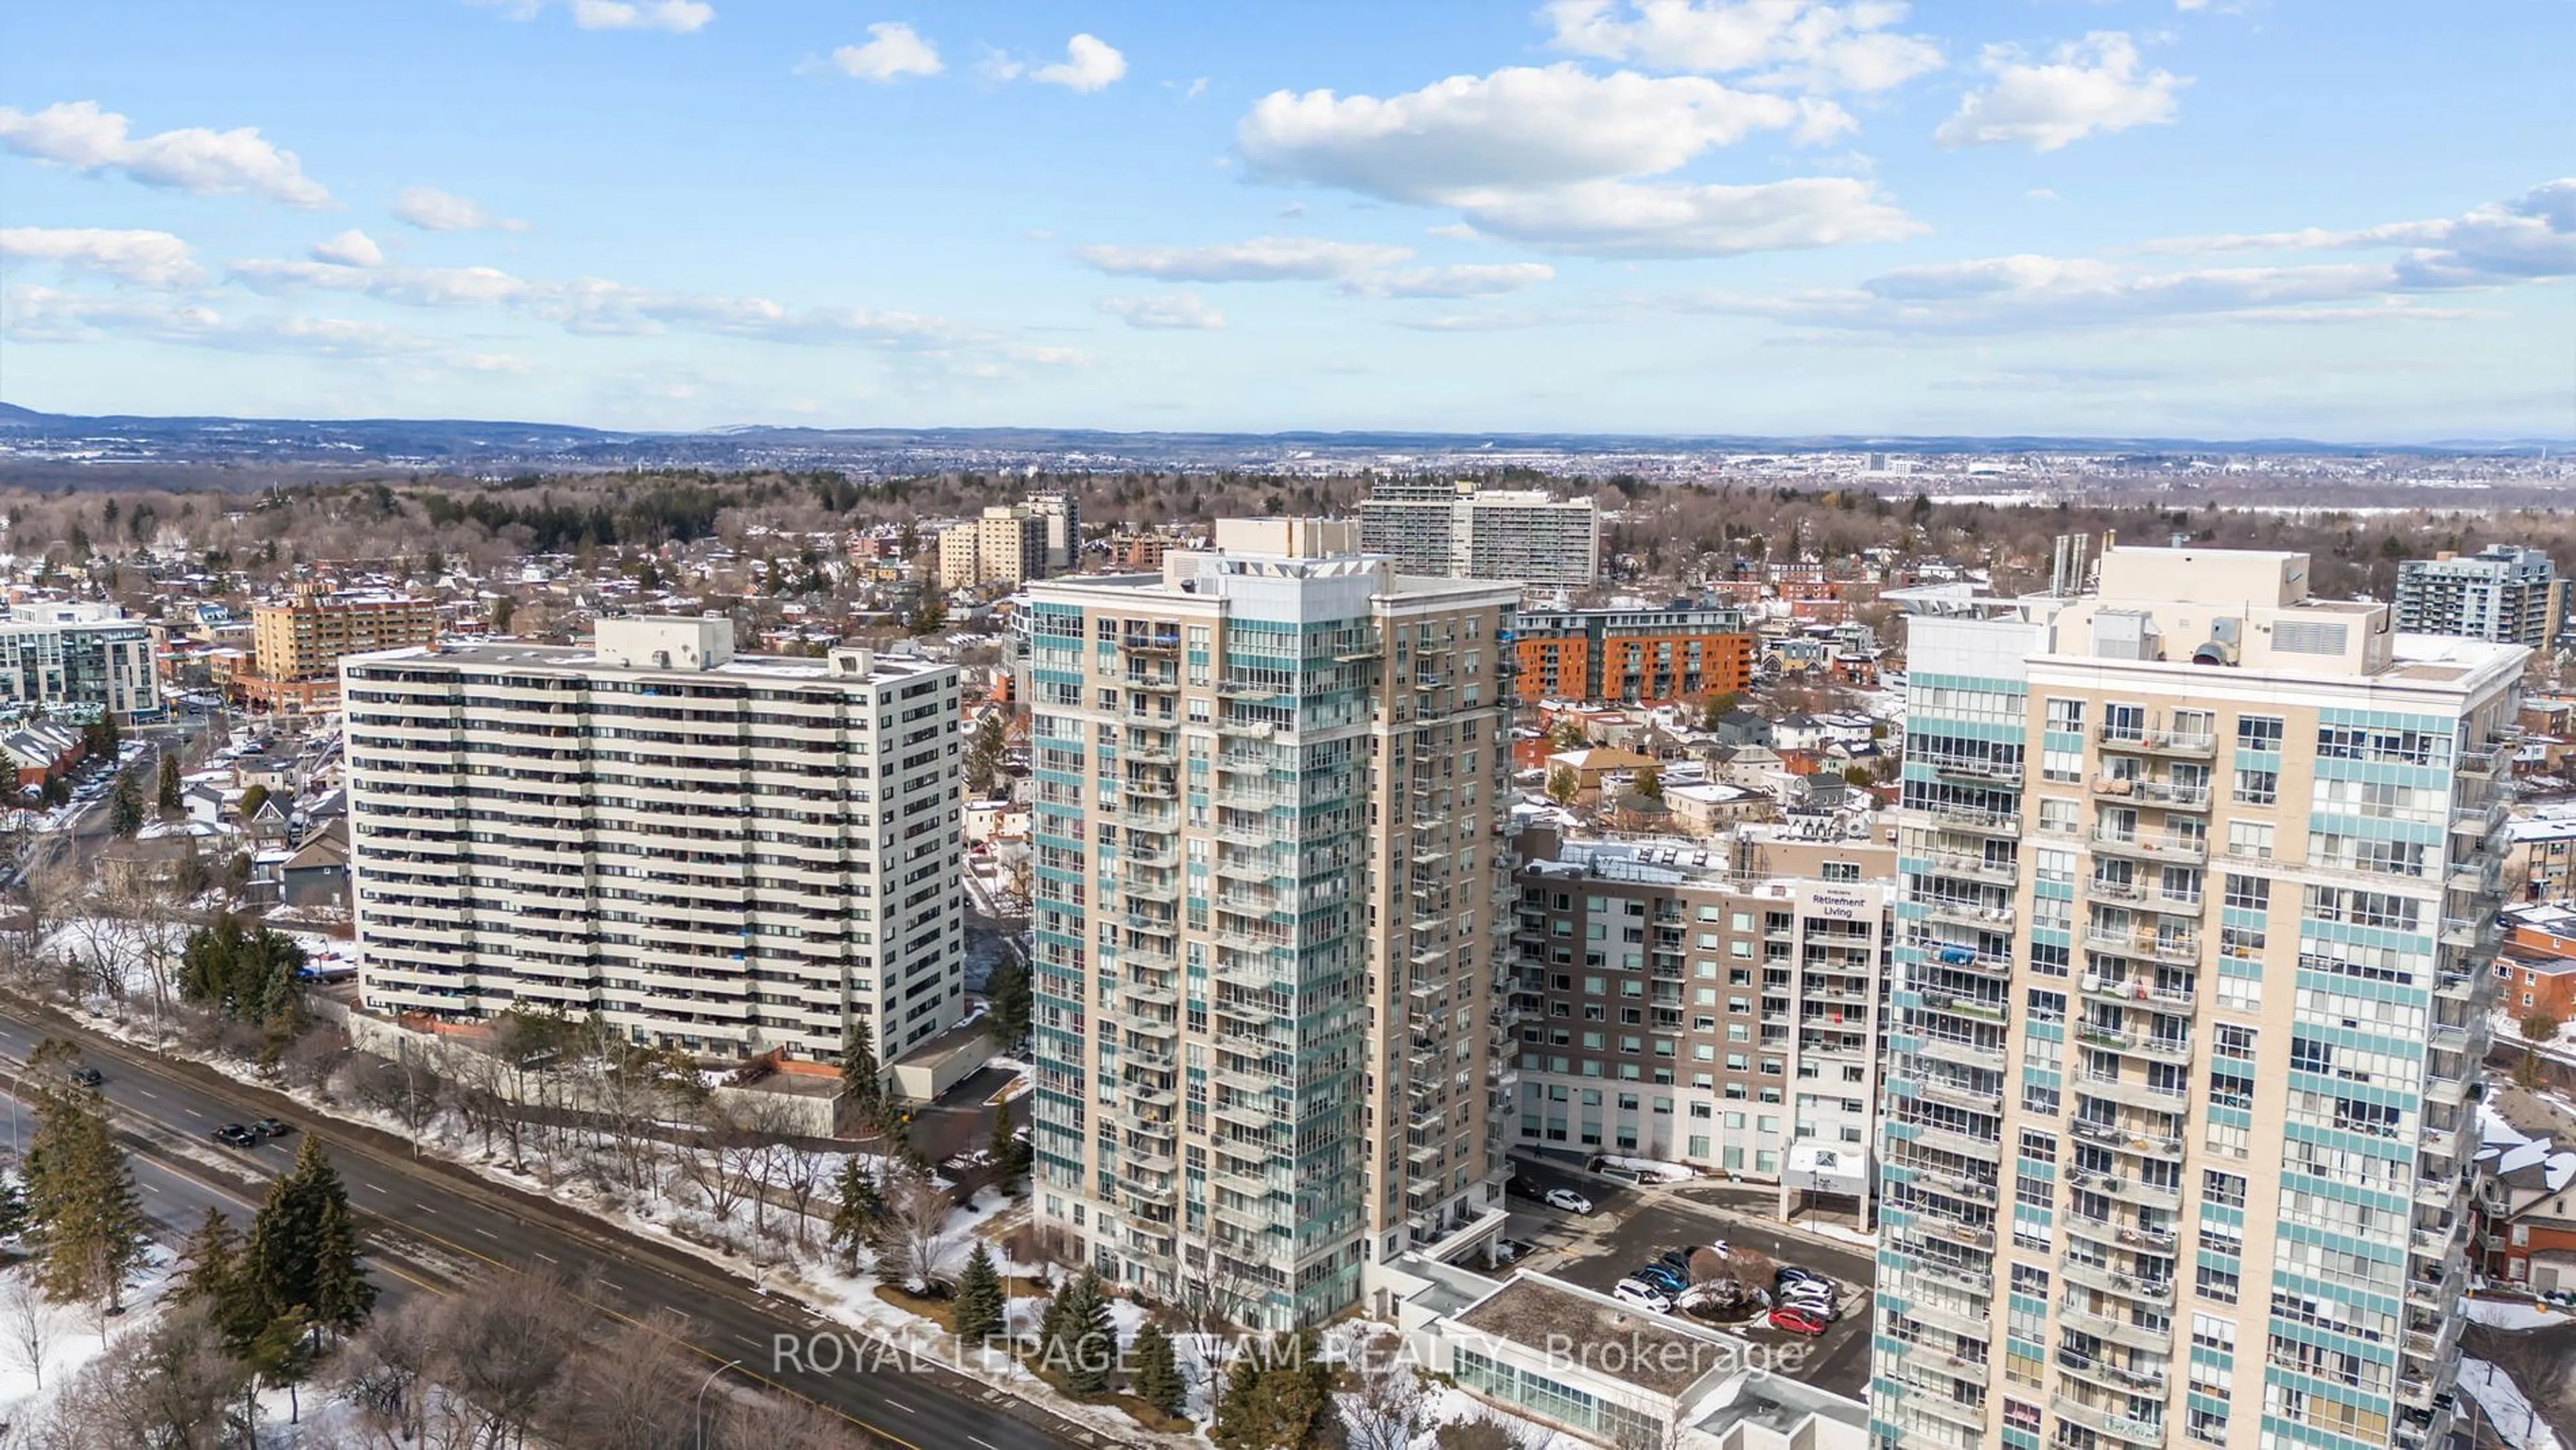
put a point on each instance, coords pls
(698, 1405)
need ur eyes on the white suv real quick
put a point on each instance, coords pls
(1643, 1295)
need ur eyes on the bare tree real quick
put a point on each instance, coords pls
(501, 1354)
(171, 1387)
(1387, 1409)
(633, 1393)
(383, 1374)
(27, 1320)
(915, 1240)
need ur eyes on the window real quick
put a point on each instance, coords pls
(2224, 1189)
(2257, 787)
(2251, 840)
(2039, 1146)
(2259, 732)
(2217, 1285)
(2047, 1006)
(2042, 1101)
(2252, 893)
(2066, 716)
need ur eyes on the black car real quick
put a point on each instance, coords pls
(269, 1128)
(1791, 1274)
(234, 1135)
(1522, 1188)
(88, 1076)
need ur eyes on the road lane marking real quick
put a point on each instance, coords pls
(549, 1258)
(900, 1405)
(980, 1440)
(487, 1233)
(149, 1093)
(370, 1187)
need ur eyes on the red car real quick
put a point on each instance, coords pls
(1797, 1321)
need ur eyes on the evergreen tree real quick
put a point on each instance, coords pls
(1008, 992)
(214, 1279)
(1156, 1375)
(13, 1209)
(1084, 1347)
(861, 1204)
(125, 807)
(168, 795)
(302, 1258)
(1278, 1400)
(977, 1313)
(860, 1080)
(82, 1202)
(1010, 1156)
(984, 754)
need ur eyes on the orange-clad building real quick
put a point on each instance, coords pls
(1645, 656)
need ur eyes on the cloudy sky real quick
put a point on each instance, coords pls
(2328, 218)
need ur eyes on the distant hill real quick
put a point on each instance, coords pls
(48, 444)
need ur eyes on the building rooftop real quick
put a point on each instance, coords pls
(1655, 1352)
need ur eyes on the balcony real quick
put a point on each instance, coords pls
(2161, 794)
(1962, 1051)
(2133, 992)
(1972, 768)
(2117, 1331)
(2104, 1280)
(2132, 1092)
(2138, 846)
(1973, 867)
(2131, 1189)
(1970, 818)
(2132, 740)
(1980, 915)
(2110, 1376)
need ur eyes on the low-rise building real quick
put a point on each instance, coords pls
(2524, 1206)
(79, 654)
(1646, 656)
(1677, 1002)
(299, 641)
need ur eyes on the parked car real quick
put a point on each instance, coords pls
(234, 1135)
(1791, 1274)
(1522, 1188)
(87, 1076)
(1807, 1304)
(1662, 1278)
(1796, 1321)
(1643, 1295)
(1569, 1200)
(267, 1128)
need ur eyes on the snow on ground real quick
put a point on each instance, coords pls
(70, 1333)
(1840, 1233)
(1653, 1168)
(2512, 1314)
(2505, 1408)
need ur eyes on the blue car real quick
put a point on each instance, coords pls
(1662, 1278)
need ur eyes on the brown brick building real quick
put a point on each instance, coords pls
(299, 642)
(1647, 656)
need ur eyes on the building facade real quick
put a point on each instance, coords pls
(1268, 882)
(298, 642)
(725, 854)
(1638, 656)
(55, 655)
(1063, 515)
(1439, 527)
(1672, 1005)
(1006, 545)
(2503, 593)
(2199, 882)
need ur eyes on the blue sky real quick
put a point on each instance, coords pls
(2277, 217)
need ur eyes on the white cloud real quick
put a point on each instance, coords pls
(1089, 64)
(1262, 259)
(144, 258)
(593, 306)
(1475, 279)
(201, 162)
(1548, 157)
(2528, 238)
(2087, 87)
(1517, 128)
(676, 16)
(352, 248)
(433, 210)
(1195, 89)
(893, 51)
(37, 314)
(499, 362)
(1176, 311)
(1788, 43)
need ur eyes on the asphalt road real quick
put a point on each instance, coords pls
(436, 1227)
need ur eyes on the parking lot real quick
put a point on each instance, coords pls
(1633, 1226)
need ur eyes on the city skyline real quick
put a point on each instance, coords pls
(2196, 219)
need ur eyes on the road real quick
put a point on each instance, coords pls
(437, 1226)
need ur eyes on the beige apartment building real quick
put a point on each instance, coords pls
(299, 641)
(2200, 877)
(728, 854)
(1681, 1003)
(1270, 881)
(1005, 545)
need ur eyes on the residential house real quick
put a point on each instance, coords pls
(2524, 1208)
(316, 876)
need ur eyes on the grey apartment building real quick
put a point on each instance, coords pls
(1269, 888)
(1683, 1004)
(729, 854)
(1525, 536)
